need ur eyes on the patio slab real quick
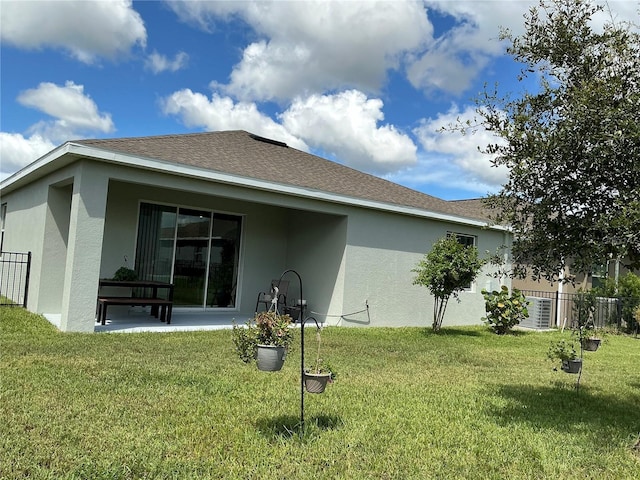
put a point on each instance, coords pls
(136, 320)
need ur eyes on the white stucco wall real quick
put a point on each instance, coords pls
(24, 230)
(383, 249)
(28, 218)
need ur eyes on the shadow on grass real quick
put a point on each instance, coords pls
(452, 332)
(288, 426)
(512, 333)
(562, 408)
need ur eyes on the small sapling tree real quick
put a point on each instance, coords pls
(446, 270)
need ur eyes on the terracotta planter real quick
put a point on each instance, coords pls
(572, 366)
(270, 358)
(316, 382)
(590, 344)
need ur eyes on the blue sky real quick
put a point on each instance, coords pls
(367, 84)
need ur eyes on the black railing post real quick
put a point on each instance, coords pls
(26, 281)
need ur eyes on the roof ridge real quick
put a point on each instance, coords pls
(155, 137)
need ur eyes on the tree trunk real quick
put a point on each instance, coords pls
(439, 307)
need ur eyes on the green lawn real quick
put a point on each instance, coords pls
(408, 404)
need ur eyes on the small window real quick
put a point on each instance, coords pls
(467, 241)
(599, 274)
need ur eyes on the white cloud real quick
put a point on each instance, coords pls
(16, 151)
(222, 113)
(306, 47)
(435, 172)
(346, 125)
(453, 60)
(159, 63)
(86, 29)
(309, 47)
(74, 111)
(460, 151)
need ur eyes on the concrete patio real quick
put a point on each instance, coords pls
(139, 320)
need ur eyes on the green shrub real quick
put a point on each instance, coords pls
(629, 294)
(125, 274)
(504, 311)
(245, 340)
(562, 350)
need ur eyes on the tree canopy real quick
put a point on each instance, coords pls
(572, 147)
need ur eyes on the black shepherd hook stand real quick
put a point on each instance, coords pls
(302, 322)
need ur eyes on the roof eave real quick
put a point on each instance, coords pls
(77, 150)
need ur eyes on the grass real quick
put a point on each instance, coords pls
(408, 404)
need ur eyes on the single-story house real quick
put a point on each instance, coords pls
(220, 215)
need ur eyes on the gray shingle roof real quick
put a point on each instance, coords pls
(247, 155)
(474, 207)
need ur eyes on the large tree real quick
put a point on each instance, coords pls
(572, 146)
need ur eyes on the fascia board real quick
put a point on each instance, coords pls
(78, 150)
(33, 167)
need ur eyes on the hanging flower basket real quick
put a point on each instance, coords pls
(316, 382)
(590, 344)
(270, 358)
(572, 365)
(266, 338)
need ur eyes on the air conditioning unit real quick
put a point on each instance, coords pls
(539, 313)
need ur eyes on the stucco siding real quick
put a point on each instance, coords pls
(24, 230)
(383, 249)
(29, 222)
(84, 248)
(316, 251)
(263, 244)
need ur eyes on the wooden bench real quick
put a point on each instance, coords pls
(158, 304)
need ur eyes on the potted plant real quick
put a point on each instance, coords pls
(584, 306)
(320, 373)
(589, 339)
(267, 338)
(125, 274)
(566, 353)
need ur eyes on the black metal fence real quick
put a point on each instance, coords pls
(563, 311)
(15, 268)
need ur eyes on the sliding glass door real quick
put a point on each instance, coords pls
(223, 261)
(199, 251)
(192, 254)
